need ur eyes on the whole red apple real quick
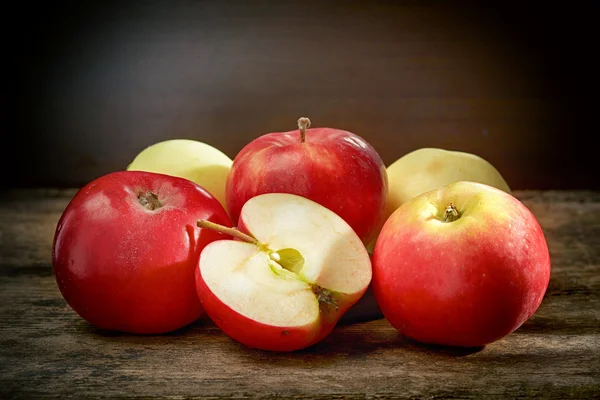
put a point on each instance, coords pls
(126, 247)
(332, 167)
(464, 265)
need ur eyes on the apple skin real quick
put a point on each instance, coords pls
(335, 168)
(126, 268)
(468, 282)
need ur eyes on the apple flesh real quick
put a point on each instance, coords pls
(126, 248)
(463, 265)
(190, 159)
(332, 167)
(296, 270)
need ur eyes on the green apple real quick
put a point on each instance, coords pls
(427, 169)
(190, 159)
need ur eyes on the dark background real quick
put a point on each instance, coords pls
(91, 85)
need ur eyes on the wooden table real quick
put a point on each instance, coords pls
(46, 350)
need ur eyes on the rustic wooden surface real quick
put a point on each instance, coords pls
(46, 350)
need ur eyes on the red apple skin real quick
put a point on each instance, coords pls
(464, 283)
(258, 335)
(335, 168)
(126, 268)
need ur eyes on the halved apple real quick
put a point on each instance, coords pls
(295, 269)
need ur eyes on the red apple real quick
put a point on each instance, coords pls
(126, 247)
(463, 265)
(296, 270)
(332, 167)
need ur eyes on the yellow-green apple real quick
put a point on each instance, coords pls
(462, 265)
(335, 168)
(190, 159)
(426, 169)
(126, 248)
(295, 269)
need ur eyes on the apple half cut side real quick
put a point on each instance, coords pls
(294, 270)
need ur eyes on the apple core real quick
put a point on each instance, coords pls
(285, 263)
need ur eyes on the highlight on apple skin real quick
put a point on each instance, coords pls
(294, 270)
(463, 265)
(333, 167)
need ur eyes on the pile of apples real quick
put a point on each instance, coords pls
(273, 245)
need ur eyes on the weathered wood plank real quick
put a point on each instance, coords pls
(29, 219)
(46, 350)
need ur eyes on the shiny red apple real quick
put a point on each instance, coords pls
(463, 265)
(333, 167)
(126, 247)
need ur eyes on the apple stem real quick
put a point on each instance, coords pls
(303, 125)
(451, 214)
(202, 223)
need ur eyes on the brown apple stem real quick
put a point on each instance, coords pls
(202, 223)
(303, 125)
(451, 214)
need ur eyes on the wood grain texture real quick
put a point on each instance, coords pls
(47, 351)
